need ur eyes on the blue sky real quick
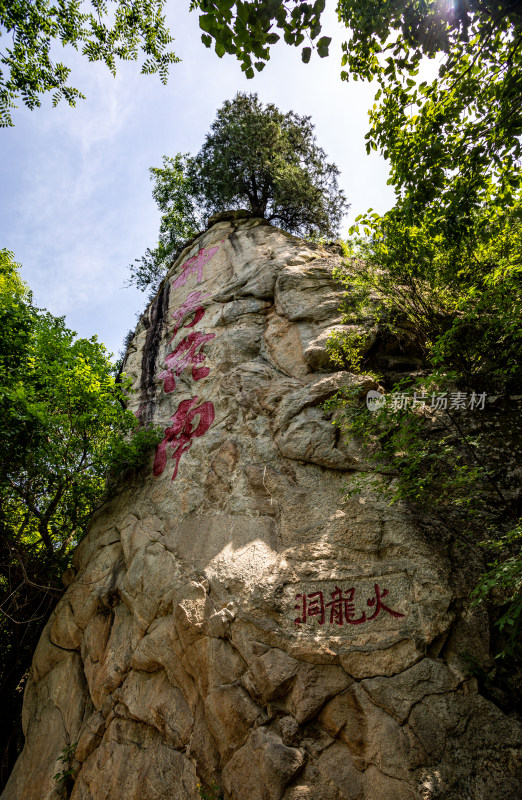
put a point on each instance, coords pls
(76, 205)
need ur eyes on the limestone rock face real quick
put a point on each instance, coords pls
(234, 619)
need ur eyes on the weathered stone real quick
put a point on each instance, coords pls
(105, 674)
(290, 731)
(337, 769)
(379, 786)
(372, 735)
(202, 748)
(262, 768)
(397, 695)
(231, 714)
(311, 784)
(307, 291)
(270, 676)
(283, 346)
(313, 686)
(232, 617)
(64, 631)
(57, 709)
(465, 758)
(90, 736)
(214, 662)
(150, 698)
(135, 763)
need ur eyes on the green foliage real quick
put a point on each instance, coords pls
(421, 457)
(461, 301)
(461, 297)
(120, 29)
(175, 195)
(257, 156)
(65, 439)
(245, 29)
(254, 156)
(207, 792)
(65, 427)
(66, 757)
(345, 349)
(429, 461)
(453, 142)
(503, 581)
(128, 450)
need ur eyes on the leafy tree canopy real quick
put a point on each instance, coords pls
(270, 161)
(419, 27)
(256, 157)
(175, 196)
(63, 421)
(31, 30)
(453, 142)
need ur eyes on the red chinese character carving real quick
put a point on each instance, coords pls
(316, 606)
(343, 608)
(194, 264)
(379, 605)
(190, 305)
(301, 607)
(313, 606)
(179, 436)
(184, 355)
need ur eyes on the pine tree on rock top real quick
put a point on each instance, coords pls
(254, 157)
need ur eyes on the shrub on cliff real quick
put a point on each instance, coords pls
(460, 298)
(254, 157)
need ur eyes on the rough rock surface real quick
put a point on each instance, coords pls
(241, 623)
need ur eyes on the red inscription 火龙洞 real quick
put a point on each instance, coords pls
(341, 609)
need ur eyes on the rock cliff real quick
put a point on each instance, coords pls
(232, 619)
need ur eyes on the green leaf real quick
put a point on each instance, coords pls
(207, 23)
(322, 49)
(324, 41)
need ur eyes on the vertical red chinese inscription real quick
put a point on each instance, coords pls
(188, 352)
(180, 434)
(190, 305)
(194, 265)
